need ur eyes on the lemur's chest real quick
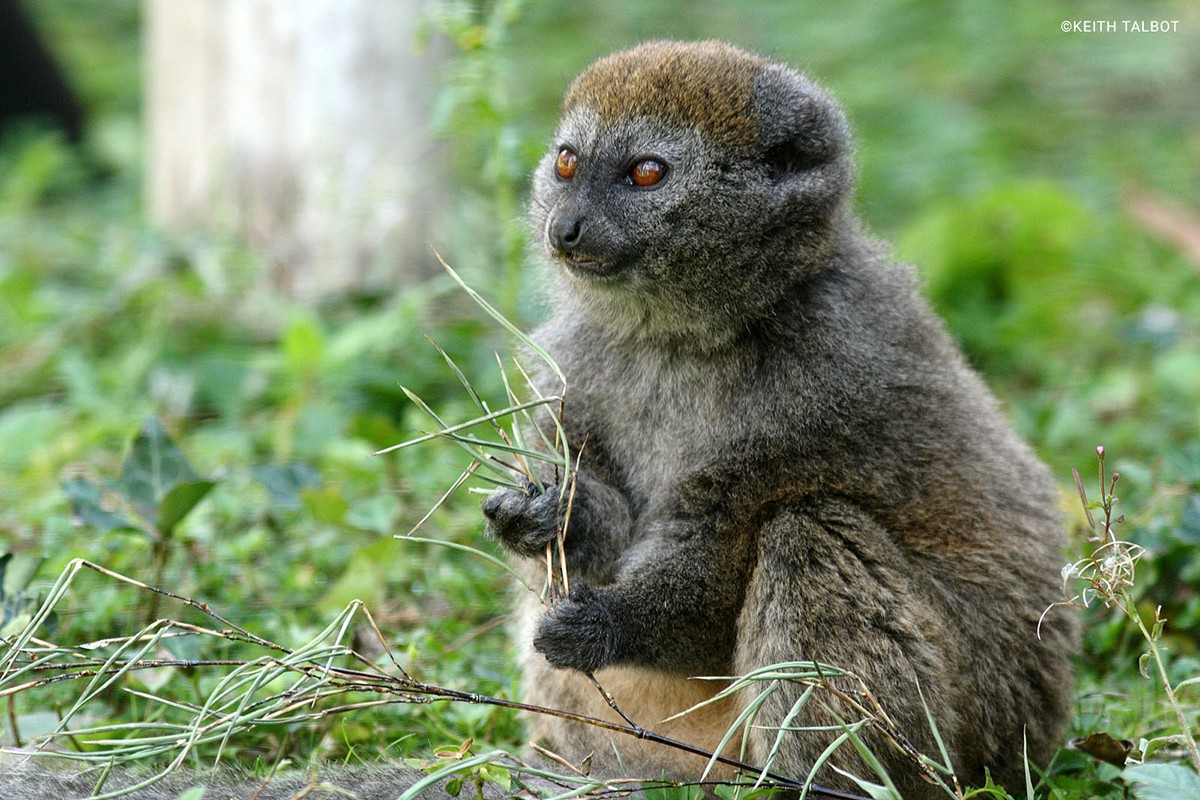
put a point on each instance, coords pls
(659, 418)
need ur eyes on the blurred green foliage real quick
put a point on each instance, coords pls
(999, 153)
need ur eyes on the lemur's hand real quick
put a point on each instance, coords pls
(523, 520)
(577, 631)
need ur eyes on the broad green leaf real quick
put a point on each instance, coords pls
(154, 466)
(1189, 521)
(326, 504)
(179, 501)
(303, 346)
(284, 482)
(86, 504)
(498, 775)
(1163, 782)
(377, 513)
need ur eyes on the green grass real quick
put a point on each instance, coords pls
(999, 154)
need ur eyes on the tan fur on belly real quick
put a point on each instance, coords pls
(649, 697)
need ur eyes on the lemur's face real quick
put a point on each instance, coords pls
(615, 198)
(677, 192)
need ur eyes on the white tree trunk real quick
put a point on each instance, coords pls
(301, 124)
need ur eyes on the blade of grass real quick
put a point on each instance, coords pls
(452, 768)
(937, 736)
(512, 398)
(462, 378)
(747, 714)
(797, 706)
(475, 453)
(499, 317)
(476, 448)
(466, 473)
(499, 562)
(559, 434)
(826, 754)
(504, 412)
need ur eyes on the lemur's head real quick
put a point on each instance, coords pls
(689, 179)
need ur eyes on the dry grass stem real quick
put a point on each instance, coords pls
(319, 678)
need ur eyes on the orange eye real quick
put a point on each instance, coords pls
(647, 172)
(565, 164)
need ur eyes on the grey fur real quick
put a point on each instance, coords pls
(786, 456)
(30, 777)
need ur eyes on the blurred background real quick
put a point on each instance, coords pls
(221, 214)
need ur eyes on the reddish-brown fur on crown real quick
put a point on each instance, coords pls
(709, 85)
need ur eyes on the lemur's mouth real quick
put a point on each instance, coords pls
(590, 267)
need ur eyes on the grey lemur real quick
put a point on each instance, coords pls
(786, 456)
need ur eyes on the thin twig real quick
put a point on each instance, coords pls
(612, 703)
(12, 722)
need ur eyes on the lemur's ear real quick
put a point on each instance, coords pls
(801, 127)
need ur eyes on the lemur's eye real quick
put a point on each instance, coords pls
(566, 163)
(647, 172)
